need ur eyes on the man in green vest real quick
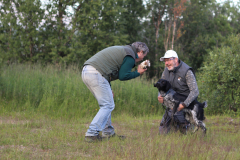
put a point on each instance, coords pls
(109, 64)
(183, 81)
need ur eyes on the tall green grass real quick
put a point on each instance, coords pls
(60, 92)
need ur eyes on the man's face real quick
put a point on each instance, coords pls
(141, 55)
(170, 63)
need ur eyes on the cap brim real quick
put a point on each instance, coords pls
(162, 59)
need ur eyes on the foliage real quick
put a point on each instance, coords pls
(96, 25)
(19, 39)
(65, 32)
(60, 92)
(55, 34)
(130, 19)
(207, 23)
(219, 77)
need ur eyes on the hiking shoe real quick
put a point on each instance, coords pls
(91, 139)
(107, 136)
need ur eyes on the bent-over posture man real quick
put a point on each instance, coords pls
(183, 81)
(112, 63)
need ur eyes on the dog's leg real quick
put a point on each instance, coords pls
(203, 126)
(195, 120)
(189, 117)
(194, 116)
(198, 122)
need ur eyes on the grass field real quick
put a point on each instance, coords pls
(45, 112)
(60, 92)
(40, 137)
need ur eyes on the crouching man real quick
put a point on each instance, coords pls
(112, 63)
(183, 81)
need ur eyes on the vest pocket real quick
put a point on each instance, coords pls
(181, 85)
(180, 82)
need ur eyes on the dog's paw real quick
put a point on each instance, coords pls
(145, 64)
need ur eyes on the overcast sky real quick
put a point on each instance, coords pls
(219, 1)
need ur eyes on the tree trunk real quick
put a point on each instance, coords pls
(173, 34)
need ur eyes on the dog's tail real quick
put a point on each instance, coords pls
(204, 104)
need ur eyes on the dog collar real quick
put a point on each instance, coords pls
(168, 91)
(165, 93)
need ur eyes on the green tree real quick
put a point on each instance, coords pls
(131, 17)
(153, 34)
(20, 20)
(56, 31)
(96, 26)
(219, 77)
(206, 26)
(162, 30)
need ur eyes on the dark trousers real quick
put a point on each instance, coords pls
(172, 122)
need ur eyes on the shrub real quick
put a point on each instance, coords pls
(219, 78)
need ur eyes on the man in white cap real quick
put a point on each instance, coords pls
(183, 81)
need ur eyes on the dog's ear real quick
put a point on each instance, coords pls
(168, 85)
(163, 82)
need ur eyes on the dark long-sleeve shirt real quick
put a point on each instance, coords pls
(125, 72)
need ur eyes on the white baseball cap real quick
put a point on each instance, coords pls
(169, 54)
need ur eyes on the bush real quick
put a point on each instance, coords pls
(219, 78)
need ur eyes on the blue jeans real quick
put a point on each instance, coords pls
(101, 90)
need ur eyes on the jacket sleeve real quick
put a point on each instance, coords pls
(192, 84)
(125, 72)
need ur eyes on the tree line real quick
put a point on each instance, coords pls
(71, 31)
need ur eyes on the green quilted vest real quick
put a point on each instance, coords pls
(109, 60)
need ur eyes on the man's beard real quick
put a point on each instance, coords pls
(173, 66)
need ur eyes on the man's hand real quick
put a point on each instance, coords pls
(113, 93)
(141, 70)
(180, 107)
(160, 99)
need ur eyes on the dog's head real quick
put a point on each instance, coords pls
(162, 85)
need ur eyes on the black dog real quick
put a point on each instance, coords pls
(195, 112)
